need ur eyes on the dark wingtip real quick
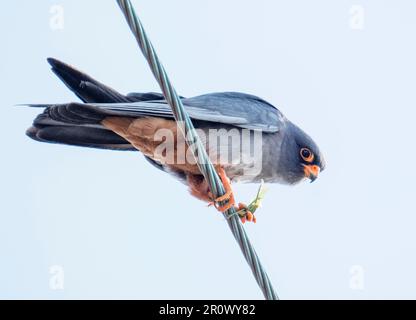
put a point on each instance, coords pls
(60, 67)
(85, 87)
(53, 62)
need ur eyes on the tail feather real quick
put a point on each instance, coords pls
(80, 124)
(75, 123)
(80, 136)
(76, 113)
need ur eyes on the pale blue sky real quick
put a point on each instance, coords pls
(121, 229)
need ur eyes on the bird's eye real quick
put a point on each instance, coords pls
(306, 154)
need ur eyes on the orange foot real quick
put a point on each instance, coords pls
(228, 197)
(245, 215)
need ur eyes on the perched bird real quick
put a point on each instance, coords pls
(109, 120)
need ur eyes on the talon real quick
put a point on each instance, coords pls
(246, 215)
(241, 206)
(227, 196)
(224, 207)
(249, 216)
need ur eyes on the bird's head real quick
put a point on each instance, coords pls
(300, 156)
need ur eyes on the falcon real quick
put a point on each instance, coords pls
(107, 119)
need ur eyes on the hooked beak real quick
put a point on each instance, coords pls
(311, 172)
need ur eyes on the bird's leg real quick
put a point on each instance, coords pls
(199, 188)
(242, 210)
(228, 195)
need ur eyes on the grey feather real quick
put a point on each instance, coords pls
(231, 108)
(80, 136)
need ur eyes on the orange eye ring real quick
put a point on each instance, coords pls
(307, 155)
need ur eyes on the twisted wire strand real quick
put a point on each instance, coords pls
(205, 166)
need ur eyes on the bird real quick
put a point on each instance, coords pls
(107, 119)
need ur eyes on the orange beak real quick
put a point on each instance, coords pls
(311, 171)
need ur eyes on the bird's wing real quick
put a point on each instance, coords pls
(85, 87)
(90, 90)
(241, 110)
